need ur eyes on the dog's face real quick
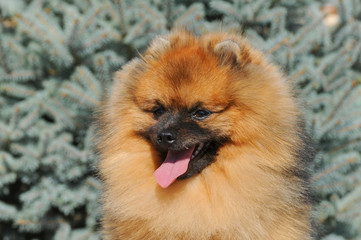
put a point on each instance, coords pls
(184, 103)
(184, 98)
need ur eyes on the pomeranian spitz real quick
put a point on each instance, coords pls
(202, 138)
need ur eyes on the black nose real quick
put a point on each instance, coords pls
(166, 138)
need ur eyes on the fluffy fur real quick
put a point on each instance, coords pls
(256, 187)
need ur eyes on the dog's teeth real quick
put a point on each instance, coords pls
(198, 149)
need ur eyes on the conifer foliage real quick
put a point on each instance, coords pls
(57, 59)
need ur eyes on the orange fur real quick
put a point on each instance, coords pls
(246, 193)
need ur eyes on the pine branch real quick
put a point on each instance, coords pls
(19, 75)
(340, 103)
(282, 43)
(169, 13)
(33, 27)
(3, 59)
(344, 145)
(50, 26)
(304, 31)
(78, 95)
(123, 24)
(16, 90)
(195, 12)
(334, 168)
(88, 22)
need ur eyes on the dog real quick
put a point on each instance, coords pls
(202, 138)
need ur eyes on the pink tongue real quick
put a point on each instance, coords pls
(174, 165)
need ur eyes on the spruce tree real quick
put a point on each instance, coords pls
(57, 59)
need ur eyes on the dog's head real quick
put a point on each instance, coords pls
(190, 97)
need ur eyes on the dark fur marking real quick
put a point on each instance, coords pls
(179, 73)
(189, 133)
(305, 156)
(302, 171)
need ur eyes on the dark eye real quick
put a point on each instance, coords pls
(158, 111)
(201, 114)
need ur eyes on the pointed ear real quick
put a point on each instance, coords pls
(158, 46)
(229, 53)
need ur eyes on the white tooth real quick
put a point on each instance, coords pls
(197, 152)
(199, 148)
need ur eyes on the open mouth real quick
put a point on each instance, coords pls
(176, 163)
(199, 150)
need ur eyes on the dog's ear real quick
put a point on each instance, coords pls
(158, 46)
(229, 53)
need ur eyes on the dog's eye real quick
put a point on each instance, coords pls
(201, 114)
(158, 111)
